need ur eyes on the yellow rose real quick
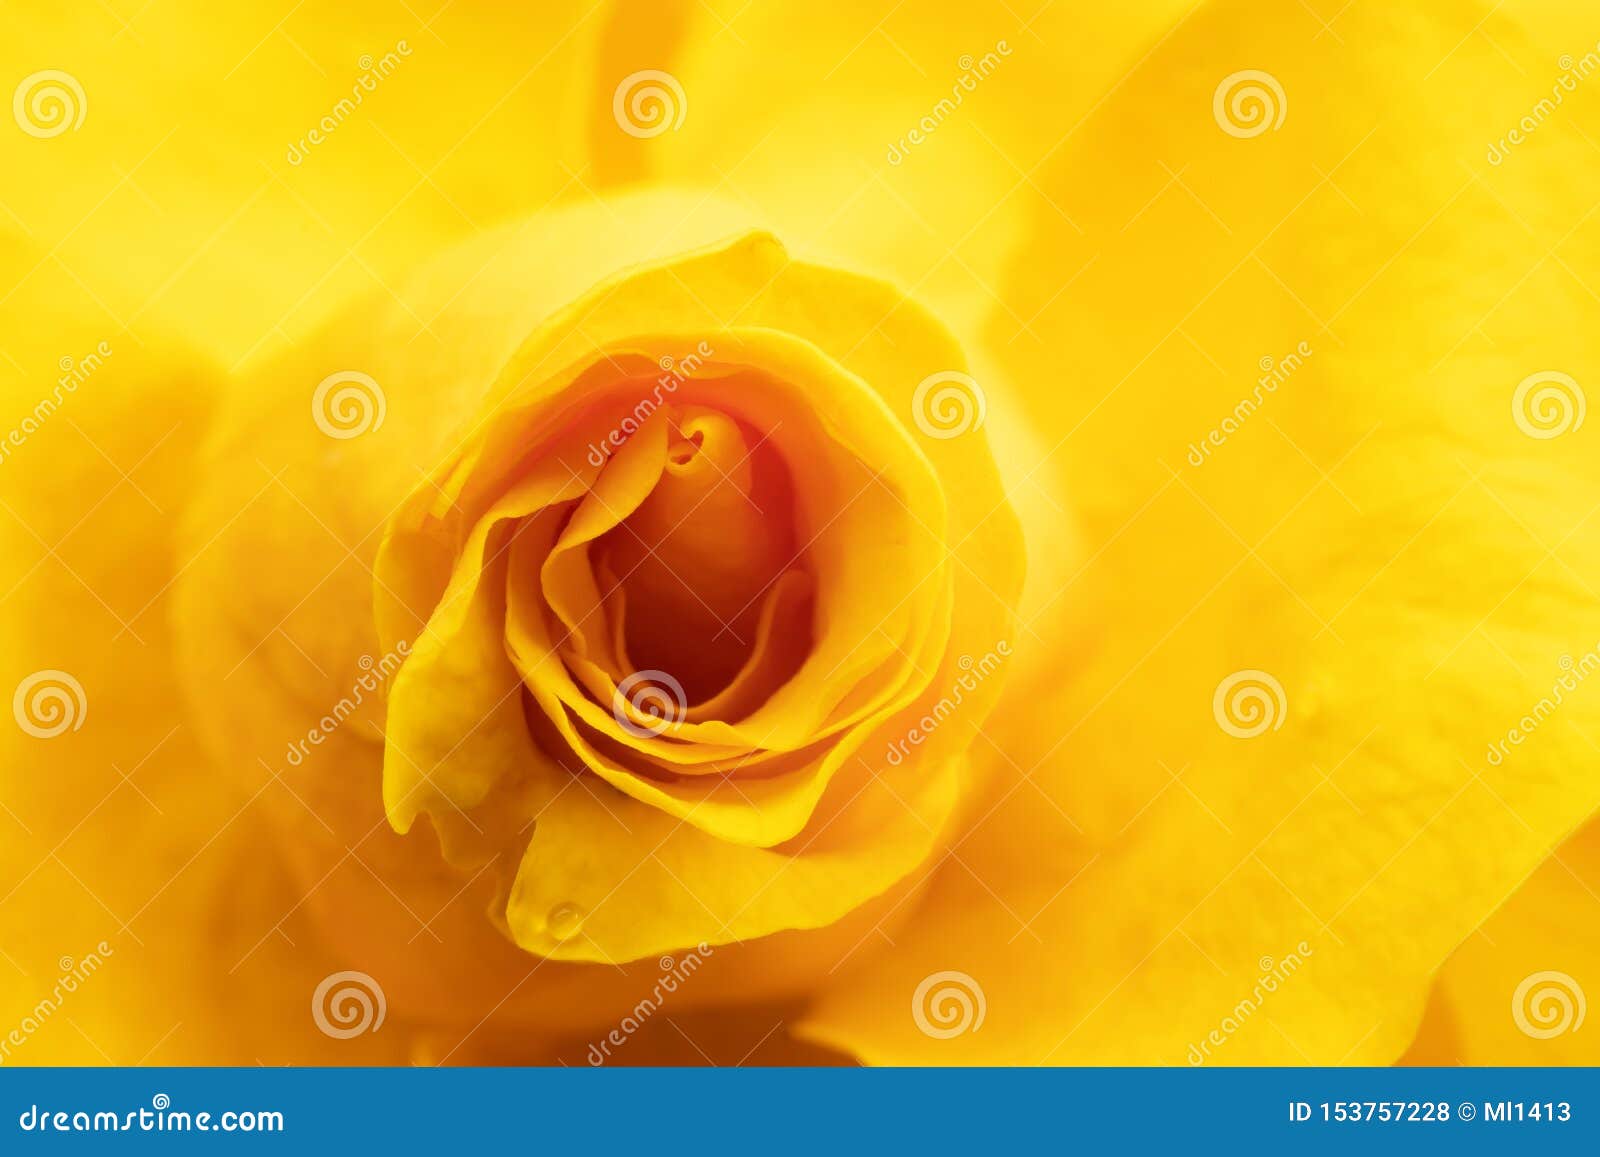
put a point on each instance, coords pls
(687, 591)
(1283, 322)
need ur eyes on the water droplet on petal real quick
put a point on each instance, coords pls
(564, 920)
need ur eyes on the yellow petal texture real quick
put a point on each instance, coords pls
(132, 878)
(1519, 990)
(193, 162)
(461, 472)
(805, 112)
(1264, 754)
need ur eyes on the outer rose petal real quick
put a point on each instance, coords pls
(1512, 994)
(116, 832)
(1378, 534)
